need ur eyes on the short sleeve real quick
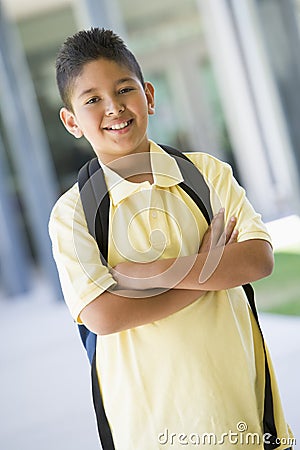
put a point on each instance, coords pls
(82, 275)
(226, 193)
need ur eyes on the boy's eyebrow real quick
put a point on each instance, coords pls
(91, 90)
(125, 80)
(87, 91)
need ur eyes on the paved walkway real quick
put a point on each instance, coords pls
(45, 398)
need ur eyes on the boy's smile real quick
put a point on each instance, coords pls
(119, 126)
(110, 108)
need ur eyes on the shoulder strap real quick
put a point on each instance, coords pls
(95, 200)
(269, 426)
(194, 183)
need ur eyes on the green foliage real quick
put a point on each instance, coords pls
(280, 292)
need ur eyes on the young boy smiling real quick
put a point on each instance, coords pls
(110, 107)
(178, 349)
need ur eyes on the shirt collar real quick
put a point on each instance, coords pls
(166, 173)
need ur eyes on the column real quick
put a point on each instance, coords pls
(28, 145)
(14, 257)
(100, 13)
(251, 104)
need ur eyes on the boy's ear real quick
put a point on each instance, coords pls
(69, 121)
(149, 91)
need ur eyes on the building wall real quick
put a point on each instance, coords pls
(174, 47)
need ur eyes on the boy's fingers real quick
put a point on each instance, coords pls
(230, 234)
(216, 235)
(230, 229)
(213, 232)
(206, 241)
(233, 237)
(217, 228)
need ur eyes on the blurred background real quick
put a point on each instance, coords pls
(227, 78)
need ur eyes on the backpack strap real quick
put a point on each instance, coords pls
(96, 205)
(194, 183)
(95, 200)
(269, 426)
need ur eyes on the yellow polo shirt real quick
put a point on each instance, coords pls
(196, 377)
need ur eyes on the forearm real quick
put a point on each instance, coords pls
(222, 268)
(116, 311)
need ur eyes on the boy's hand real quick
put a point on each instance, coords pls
(214, 241)
(217, 235)
(139, 276)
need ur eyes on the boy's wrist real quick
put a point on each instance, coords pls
(154, 272)
(138, 276)
(162, 273)
(166, 273)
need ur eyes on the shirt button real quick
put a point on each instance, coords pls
(154, 214)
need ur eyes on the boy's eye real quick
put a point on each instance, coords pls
(92, 100)
(125, 90)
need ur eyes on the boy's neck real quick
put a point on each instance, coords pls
(135, 168)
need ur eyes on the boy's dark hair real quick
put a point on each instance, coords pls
(86, 46)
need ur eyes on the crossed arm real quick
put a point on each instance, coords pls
(147, 292)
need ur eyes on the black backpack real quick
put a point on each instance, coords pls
(96, 203)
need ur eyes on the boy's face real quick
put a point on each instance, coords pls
(110, 108)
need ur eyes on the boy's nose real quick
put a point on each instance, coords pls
(114, 108)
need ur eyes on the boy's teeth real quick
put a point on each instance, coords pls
(119, 126)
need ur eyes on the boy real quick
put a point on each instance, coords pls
(179, 354)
